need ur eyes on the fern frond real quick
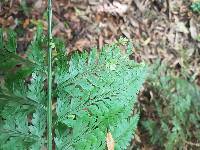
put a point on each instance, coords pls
(96, 91)
(23, 113)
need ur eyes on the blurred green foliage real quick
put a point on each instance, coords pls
(176, 103)
(196, 6)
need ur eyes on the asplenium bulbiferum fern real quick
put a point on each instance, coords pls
(94, 93)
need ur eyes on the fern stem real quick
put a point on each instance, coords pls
(49, 103)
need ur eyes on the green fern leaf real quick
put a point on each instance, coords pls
(23, 111)
(124, 131)
(96, 91)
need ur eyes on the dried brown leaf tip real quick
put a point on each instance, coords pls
(110, 141)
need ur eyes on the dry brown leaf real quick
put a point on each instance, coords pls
(181, 27)
(193, 29)
(39, 5)
(58, 28)
(26, 23)
(116, 7)
(82, 43)
(147, 41)
(2, 22)
(137, 138)
(7, 22)
(110, 141)
(100, 41)
(124, 30)
(121, 8)
(141, 5)
(171, 36)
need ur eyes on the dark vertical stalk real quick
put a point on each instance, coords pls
(49, 103)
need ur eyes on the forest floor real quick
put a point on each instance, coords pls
(158, 29)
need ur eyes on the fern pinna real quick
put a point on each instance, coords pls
(93, 93)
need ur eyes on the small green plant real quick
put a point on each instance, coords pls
(196, 6)
(177, 114)
(93, 94)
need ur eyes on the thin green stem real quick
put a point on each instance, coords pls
(49, 103)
